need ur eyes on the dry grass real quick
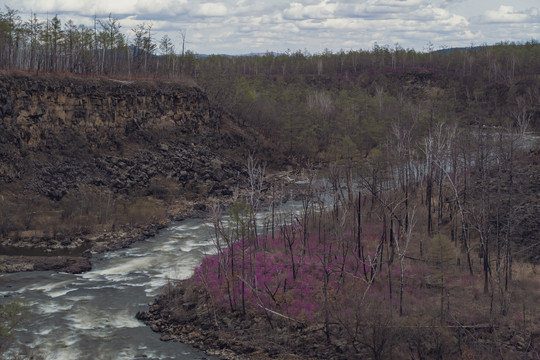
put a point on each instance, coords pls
(82, 211)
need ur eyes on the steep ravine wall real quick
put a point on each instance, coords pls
(59, 132)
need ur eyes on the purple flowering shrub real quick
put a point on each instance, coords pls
(269, 283)
(325, 276)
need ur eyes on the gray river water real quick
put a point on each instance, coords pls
(92, 315)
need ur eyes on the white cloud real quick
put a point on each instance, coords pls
(398, 3)
(506, 14)
(101, 7)
(211, 10)
(321, 10)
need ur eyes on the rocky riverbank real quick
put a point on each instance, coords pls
(73, 257)
(72, 254)
(185, 314)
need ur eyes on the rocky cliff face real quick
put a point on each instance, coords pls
(57, 133)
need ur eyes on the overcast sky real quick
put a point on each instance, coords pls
(251, 26)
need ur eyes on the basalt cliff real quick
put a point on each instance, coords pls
(57, 133)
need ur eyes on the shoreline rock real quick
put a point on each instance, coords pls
(68, 264)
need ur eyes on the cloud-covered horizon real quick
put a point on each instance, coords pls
(246, 26)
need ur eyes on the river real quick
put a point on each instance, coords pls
(92, 315)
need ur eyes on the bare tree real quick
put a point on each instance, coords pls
(402, 253)
(441, 255)
(440, 143)
(183, 34)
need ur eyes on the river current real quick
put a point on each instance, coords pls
(92, 315)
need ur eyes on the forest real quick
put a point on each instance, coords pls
(421, 242)
(322, 107)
